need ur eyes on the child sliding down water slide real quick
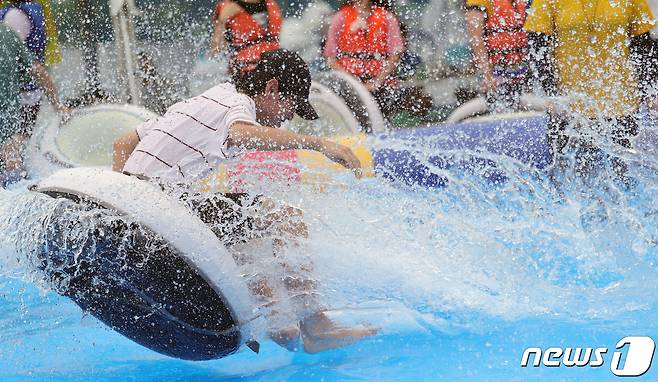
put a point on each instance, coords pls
(196, 135)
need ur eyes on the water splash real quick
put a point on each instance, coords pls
(524, 248)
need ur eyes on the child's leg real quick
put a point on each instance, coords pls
(264, 227)
(264, 282)
(319, 333)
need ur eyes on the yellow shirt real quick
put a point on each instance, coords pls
(486, 4)
(592, 50)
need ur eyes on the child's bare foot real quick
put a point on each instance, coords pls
(319, 333)
(287, 338)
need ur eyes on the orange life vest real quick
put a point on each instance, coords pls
(363, 52)
(248, 39)
(507, 42)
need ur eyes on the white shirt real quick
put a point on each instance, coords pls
(190, 140)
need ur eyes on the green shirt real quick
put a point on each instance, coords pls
(15, 62)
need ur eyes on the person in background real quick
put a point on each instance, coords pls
(365, 40)
(599, 57)
(28, 19)
(53, 51)
(158, 90)
(500, 45)
(413, 99)
(246, 29)
(17, 66)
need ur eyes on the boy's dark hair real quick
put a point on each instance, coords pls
(250, 83)
(289, 70)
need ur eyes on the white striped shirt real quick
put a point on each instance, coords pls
(189, 141)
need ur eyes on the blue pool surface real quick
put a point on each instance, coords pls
(51, 340)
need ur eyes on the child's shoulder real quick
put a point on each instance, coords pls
(226, 94)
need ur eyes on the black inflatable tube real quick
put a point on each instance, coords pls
(134, 282)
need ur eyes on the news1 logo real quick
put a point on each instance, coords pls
(638, 353)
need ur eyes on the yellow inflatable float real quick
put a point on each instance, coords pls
(292, 166)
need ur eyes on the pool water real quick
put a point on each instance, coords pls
(459, 281)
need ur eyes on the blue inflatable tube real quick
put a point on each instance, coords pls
(524, 139)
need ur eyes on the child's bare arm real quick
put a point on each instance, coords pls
(123, 147)
(266, 138)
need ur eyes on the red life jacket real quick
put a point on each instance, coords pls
(507, 41)
(363, 52)
(248, 39)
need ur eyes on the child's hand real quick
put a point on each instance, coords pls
(343, 156)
